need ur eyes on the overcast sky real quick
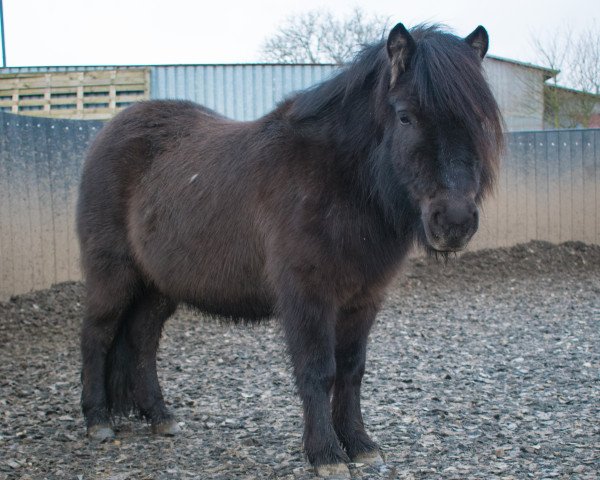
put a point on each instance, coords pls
(123, 32)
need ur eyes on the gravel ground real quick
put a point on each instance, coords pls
(484, 367)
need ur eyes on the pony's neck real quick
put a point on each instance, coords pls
(346, 125)
(349, 130)
(341, 112)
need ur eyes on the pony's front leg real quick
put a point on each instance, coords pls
(309, 326)
(352, 331)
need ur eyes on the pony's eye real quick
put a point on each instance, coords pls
(404, 119)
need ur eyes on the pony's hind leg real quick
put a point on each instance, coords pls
(143, 328)
(352, 330)
(108, 300)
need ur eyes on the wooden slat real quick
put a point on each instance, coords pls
(130, 98)
(63, 100)
(31, 102)
(94, 100)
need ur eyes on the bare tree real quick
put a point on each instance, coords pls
(318, 36)
(553, 53)
(572, 96)
(585, 61)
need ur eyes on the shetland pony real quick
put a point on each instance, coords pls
(305, 214)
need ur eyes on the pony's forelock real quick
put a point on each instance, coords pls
(446, 77)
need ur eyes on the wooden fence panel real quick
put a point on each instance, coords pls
(84, 94)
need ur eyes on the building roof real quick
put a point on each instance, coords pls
(72, 68)
(573, 91)
(549, 72)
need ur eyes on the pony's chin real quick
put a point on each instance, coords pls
(437, 245)
(438, 248)
(447, 249)
(438, 254)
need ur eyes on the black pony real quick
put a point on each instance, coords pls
(305, 214)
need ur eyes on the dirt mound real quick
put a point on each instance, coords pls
(527, 259)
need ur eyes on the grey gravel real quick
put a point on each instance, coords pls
(484, 367)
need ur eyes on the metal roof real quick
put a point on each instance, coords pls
(70, 68)
(549, 71)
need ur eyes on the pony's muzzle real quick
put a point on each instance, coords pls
(450, 222)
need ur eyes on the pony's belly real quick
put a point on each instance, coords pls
(246, 308)
(236, 292)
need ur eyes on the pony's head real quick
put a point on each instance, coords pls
(442, 130)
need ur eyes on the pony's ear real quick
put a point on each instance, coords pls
(400, 48)
(479, 41)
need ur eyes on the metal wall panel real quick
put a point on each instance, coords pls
(246, 92)
(242, 92)
(519, 92)
(40, 167)
(548, 189)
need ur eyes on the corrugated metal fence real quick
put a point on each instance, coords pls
(243, 92)
(40, 164)
(549, 189)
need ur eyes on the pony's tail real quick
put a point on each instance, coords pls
(119, 375)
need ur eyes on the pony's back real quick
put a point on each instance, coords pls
(159, 202)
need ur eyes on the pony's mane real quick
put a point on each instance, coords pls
(445, 79)
(315, 101)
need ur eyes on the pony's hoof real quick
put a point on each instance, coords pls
(369, 458)
(333, 471)
(168, 428)
(100, 433)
